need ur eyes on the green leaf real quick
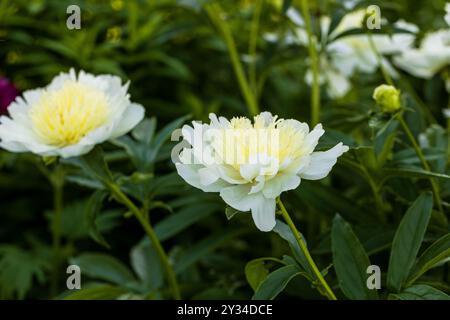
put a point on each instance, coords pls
(145, 130)
(104, 267)
(18, 269)
(407, 241)
(422, 292)
(94, 165)
(256, 272)
(147, 265)
(285, 232)
(165, 134)
(104, 292)
(275, 282)
(92, 210)
(329, 201)
(384, 141)
(199, 250)
(145, 149)
(388, 173)
(183, 219)
(435, 254)
(350, 261)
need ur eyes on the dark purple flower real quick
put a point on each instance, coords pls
(8, 93)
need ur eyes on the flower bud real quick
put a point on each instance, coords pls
(388, 98)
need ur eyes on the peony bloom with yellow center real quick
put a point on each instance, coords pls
(69, 116)
(251, 163)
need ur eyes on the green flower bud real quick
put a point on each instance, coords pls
(388, 98)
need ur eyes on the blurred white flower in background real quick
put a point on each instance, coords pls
(342, 55)
(251, 164)
(431, 56)
(69, 116)
(447, 113)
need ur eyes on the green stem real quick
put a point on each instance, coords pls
(375, 190)
(57, 181)
(424, 162)
(252, 45)
(329, 293)
(378, 200)
(312, 49)
(122, 198)
(386, 74)
(214, 11)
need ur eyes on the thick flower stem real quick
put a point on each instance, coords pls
(329, 293)
(57, 181)
(312, 49)
(122, 198)
(424, 162)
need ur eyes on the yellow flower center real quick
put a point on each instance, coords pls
(247, 143)
(63, 117)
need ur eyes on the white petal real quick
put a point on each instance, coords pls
(59, 80)
(239, 198)
(13, 146)
(321, 163)
(249, 171)
(207, 176)
(280, 183)
(260, 182)
(295, 16)
(230, 175)
(263, 213)
(447, 113)
(312, 139)
(190, 174)
(338, 84)
(188, 134)
(130, 118)
(75, 150)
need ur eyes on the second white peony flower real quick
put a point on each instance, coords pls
(251, 163)
(69, 116)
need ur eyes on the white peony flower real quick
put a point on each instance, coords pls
(354, 53)
(251, 164)
(342, 56)
(427, 60)
(69, 116)
(432, 55)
